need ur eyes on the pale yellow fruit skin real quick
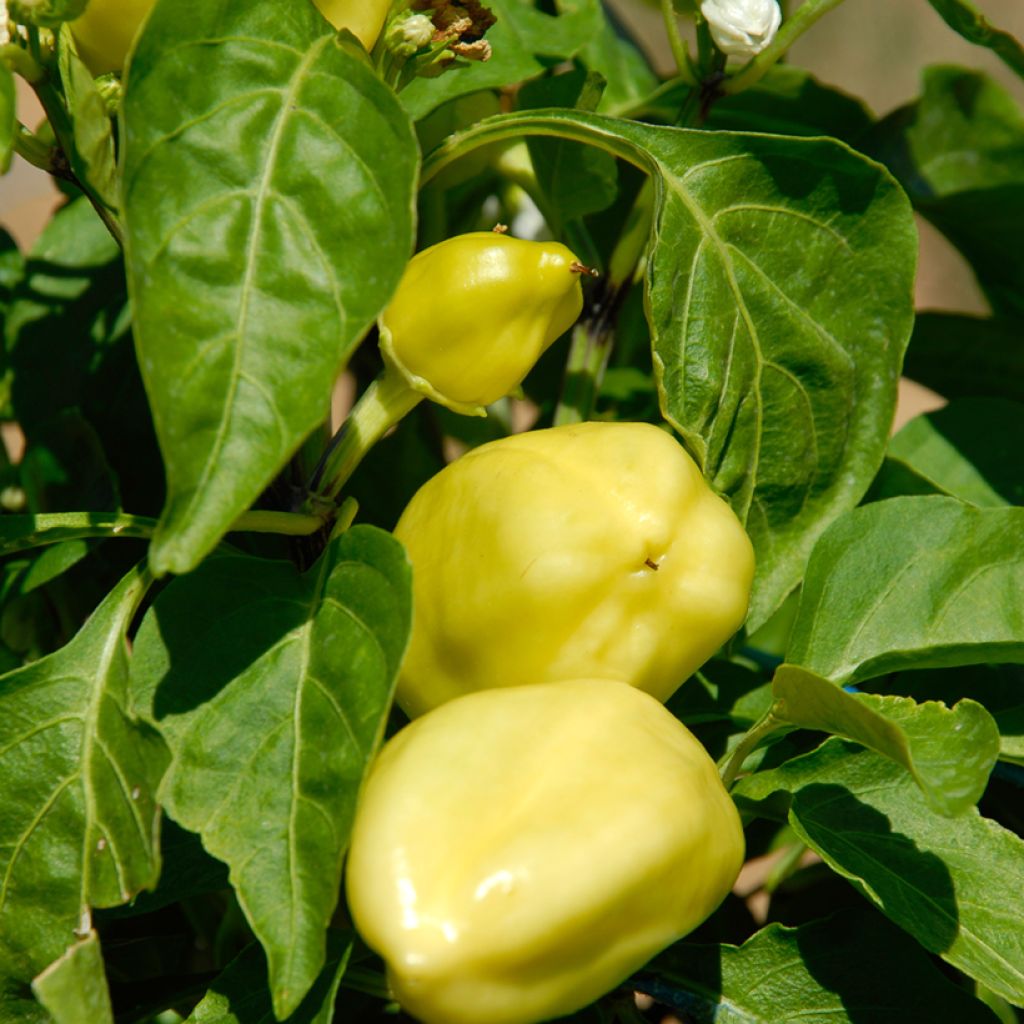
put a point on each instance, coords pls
(363, 18)
(518, 853)
(105, 31)
(473, 313)
(530, 557)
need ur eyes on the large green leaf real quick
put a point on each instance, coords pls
(963, 356)
(520, 38)
(959, 153)
(268, 201)
(853, 968)
(970, 450)
(271, 689)
(964, 17)
(949, 752)
(912, 583)
(79, 822)
(779, 296)
(240, 995)
(955, 884)
(74, 987)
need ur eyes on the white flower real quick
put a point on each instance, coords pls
(742, 28)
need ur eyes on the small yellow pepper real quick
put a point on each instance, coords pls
(474, 313)
(595, 549)
(105, 31)
(518, 853)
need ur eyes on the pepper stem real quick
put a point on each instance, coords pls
(379, 408)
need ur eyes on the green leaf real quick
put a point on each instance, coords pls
(74, 987)
(969, 450)
(963, 356)
(912, 583)
(520, 38)
(949, 752)
(854, 967)
(240, 995)
(268, 201)
(964, 17)
(94, 158)
(787, 101)
(959, 153)
(8, 117)
(272, 690)
(628, 77)
(778, 317)
(80, 823)
(935, 877)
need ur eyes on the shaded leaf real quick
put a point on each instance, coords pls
(912, 583)
(307, 663)
(520, 38)
(74, 988)
(93, 158)
(778, 318)
(949, 752)
(935, 877)
(853, 968)
(964, 356)
(79, 824)
(241, 996)
(964, 17)
(268, 205)
(959, 153)
(970, 450)
(8, 117)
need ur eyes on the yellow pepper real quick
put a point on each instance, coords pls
(106, 29)
(595, 549)
(474, 313)
(518, 853)
(363, 18)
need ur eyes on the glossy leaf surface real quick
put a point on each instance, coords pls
(251, 192)
(307, 664)
(876, 598)
(932, 876)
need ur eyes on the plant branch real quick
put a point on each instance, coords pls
(803, 18)
(731, 763)
(675, 41)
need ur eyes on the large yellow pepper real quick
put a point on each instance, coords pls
(106, 29)
(474, 313)
(518, 853)
(595, 549)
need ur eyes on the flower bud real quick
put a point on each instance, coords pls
(742, 28)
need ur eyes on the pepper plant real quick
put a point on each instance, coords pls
(204, 607)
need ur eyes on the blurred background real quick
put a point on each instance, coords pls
(873, 49)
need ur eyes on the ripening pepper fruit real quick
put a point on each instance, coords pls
(363, 18)
(474, 313)
(594, 549)
(469, 318)
(105, 31)
(517, 853)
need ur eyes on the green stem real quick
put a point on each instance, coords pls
(19, 533)
(380, 407)
(675, 41)
(20, 61)
(803, 18)
(593, 339)
(32, 149)
(731, 764)
(785, 867)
